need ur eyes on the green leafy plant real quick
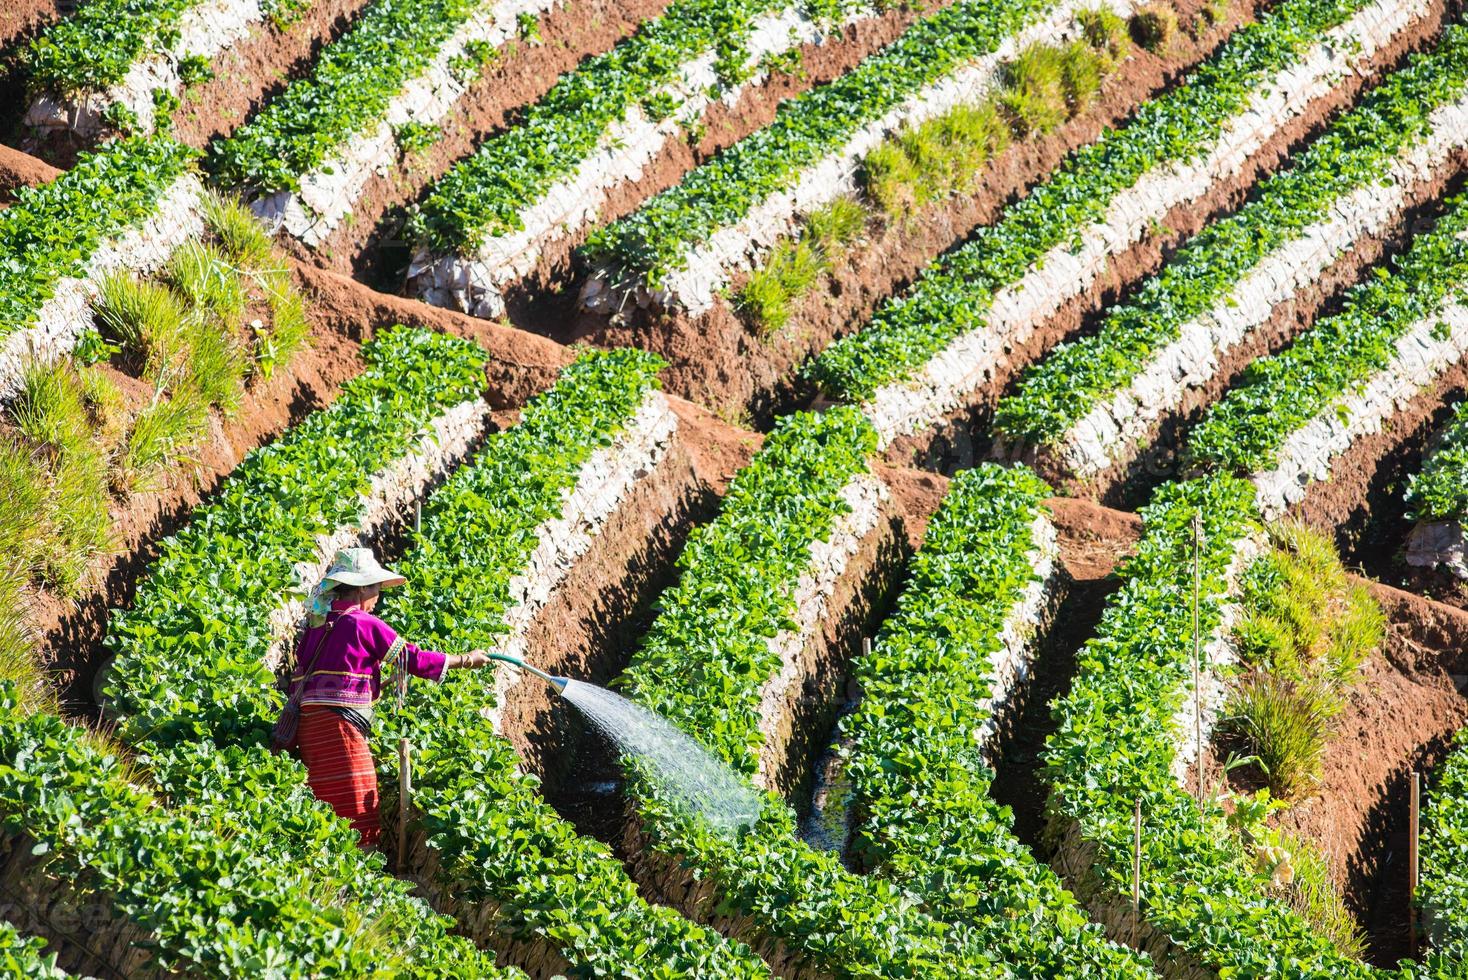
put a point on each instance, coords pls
(1244, 432)
(914, 738)
(1114, 745)
(348, 90)
(416, 137)
(794, 265)
(1443, 889)
(189, 687)
(51, 231)
(954, 294)
(654, 240)
(1058, 392)
(485, 194)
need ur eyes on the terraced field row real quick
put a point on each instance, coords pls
(896, 267)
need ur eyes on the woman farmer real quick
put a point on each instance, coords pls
(338, 673)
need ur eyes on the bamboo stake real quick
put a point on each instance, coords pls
(1198, 655)
(1413, 829)
(1136, 872)
(405, 789)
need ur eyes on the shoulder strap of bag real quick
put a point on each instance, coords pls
(316, 654)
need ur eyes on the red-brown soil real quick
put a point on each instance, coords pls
(343, 315)
(1155, 457)
(20, 20)
(23, 18)
(371, 244)
(19, 170)
(1400, 717)
(723, 126)
(722, 362)
(961, 433)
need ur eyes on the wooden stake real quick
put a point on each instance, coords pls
(405, 790)
(1413, 829)
(418, 516)
(866, 646)
(1197, 656)
(1136, 872)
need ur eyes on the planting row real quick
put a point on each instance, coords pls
(680, 248)
(485, 224)
(495, 541)
(730, 634)
(1296, 412)
(927, 352)
(185, 892)
(1443, 893)
(127, 206)
(944, 672)
(117, 63)
(1437, 499)
(191, 685)
(473, 802)
(1094, 403)
(1126, 732)
(307, 155)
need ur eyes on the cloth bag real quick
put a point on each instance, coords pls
(287, 724)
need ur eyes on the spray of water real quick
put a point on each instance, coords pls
(687, 770)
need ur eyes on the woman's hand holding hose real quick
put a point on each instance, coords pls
(474, 659)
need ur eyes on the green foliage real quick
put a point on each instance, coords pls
(50, 418)
(936, 159)
(1306, 629)
(1057, 393)
(23, 956)
(478, 532)
(1443, 889)
(1034, 90)
(95, 47)
(415, 137)
(348, 90)
(703, 665)
(189, 685)
(194, 70)
(1114, 744)
(954, 294)
(792, 268)
(485, 194)
(1440, 491)
(653, 241)
(916, 765)
(704, 661)
(50, 232)
(1106, 32)
(794, 265)
(1313, 894)
(1279, 394)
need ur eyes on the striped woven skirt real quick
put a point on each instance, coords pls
(340, 771)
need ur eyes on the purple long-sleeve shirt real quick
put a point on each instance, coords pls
(347, 672)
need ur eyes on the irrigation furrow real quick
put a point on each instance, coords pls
(947, 346)
(1090, 411)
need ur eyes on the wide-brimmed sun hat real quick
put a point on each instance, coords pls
(358, 566)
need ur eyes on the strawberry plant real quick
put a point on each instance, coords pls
(97, 46)
(189, 684)
(916, 764)
(50, 232)
(499, 840)
(953, 295)
(1440, 491)
(1280, 394)
(1115, 744)
(347, 92)
(656, 239)
(737, 587)
(485, 194)
(24, 956)
(1353, 153)
(1443, 892)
